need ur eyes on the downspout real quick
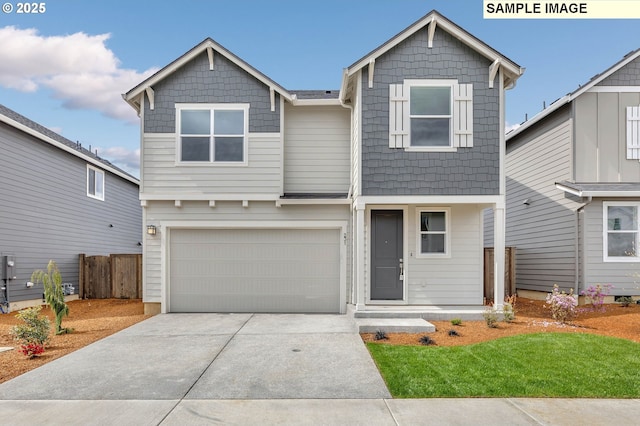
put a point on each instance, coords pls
(577, 245)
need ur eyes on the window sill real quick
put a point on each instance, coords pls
(433, 256)
(211, 164)
(622, 259)
(432, 149)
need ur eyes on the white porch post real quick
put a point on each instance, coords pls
(498, 256)
(359, 261)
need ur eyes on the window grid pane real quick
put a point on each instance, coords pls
(212, 135)
(622, 231)
(195, 122)
(433, 230)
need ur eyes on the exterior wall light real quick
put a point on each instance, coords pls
(151, 229)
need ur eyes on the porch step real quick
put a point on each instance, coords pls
(394, 325)
(427, 315)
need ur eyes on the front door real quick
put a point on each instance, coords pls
(386, 255)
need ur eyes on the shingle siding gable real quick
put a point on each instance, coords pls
(629, 75)
(469, 171)
(196, 83)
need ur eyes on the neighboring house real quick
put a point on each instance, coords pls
(265, 199)
(58, 200)
(573, 187)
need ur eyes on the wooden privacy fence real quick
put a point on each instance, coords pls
(116, 276)
(509, 272)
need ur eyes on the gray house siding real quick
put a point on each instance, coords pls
(629, 75)
(544, 231)
(600, 134)
(227, 83)
(469, 171)
(46, 214)
(624, 276)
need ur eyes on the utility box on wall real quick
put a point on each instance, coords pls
(8, 268)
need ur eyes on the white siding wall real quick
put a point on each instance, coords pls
(543, 231)
(622, 275)
(199, 212)
(316, 149)
(162, 176)
(457, 280)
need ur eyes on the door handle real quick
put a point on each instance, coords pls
(401, 270)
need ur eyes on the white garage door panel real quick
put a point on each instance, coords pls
(254, 270)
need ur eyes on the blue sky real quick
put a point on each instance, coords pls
(66, 68)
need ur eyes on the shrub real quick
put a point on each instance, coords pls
(426, 340)
(380, 335)
(596, 294)
(34, 333)
(453, 333)
(625, 301)
(53, 293)
(562, 305)
(456, 321)
(508, 313)
(490, 317)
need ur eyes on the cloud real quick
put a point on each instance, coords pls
(126, 159)
(510, 127)
(79, 69)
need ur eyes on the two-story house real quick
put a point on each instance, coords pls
(573, 187)
(263, 199)
(59, 199)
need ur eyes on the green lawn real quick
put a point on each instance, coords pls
(532, 365)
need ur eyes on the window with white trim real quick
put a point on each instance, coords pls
(427, 115)
(95, 183)
(212, 133)
(621, 232)
(633, 133)
(433, 232)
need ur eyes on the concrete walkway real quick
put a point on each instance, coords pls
(185, 369)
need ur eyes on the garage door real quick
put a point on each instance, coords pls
(254, 270)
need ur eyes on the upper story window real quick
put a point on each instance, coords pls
(95, 183)
(433, 232)
(621, 232)
(212, 133)
(430, 115)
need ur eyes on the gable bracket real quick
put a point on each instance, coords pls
(151, 95)
(272, 95)
(432, 32)
(210, 54)
(493, 70)
(372, 64)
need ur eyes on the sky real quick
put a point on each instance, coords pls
(67, 67)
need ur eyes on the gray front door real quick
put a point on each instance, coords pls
(386, 255)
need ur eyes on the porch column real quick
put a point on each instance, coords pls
(359, 261)
(498, 257)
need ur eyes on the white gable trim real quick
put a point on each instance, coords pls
(432, 19)
(206, 45)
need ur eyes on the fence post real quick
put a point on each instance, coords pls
(81, 276)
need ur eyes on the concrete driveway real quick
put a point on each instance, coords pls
(212, 356)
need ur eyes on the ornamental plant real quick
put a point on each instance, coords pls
(562, 305)
(596, 294)
(33, 333)
(490, 317)
(53, 293)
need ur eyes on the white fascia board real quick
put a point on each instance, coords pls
(313, 201)
(266, 224)
(429, 199)
(616, 194)
(67, 148)
(316, 102)
(605, 74)
(209, 197)
(614, 89)
(174, 66)
(539, 116)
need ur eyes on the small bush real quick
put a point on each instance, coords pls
(508, 313)
(34, 333)
(562, 305)
(380, 335)
(490, 317)
(625, 301)
(456, 321)
(596, 294)
(426, 340)
(453, 333)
